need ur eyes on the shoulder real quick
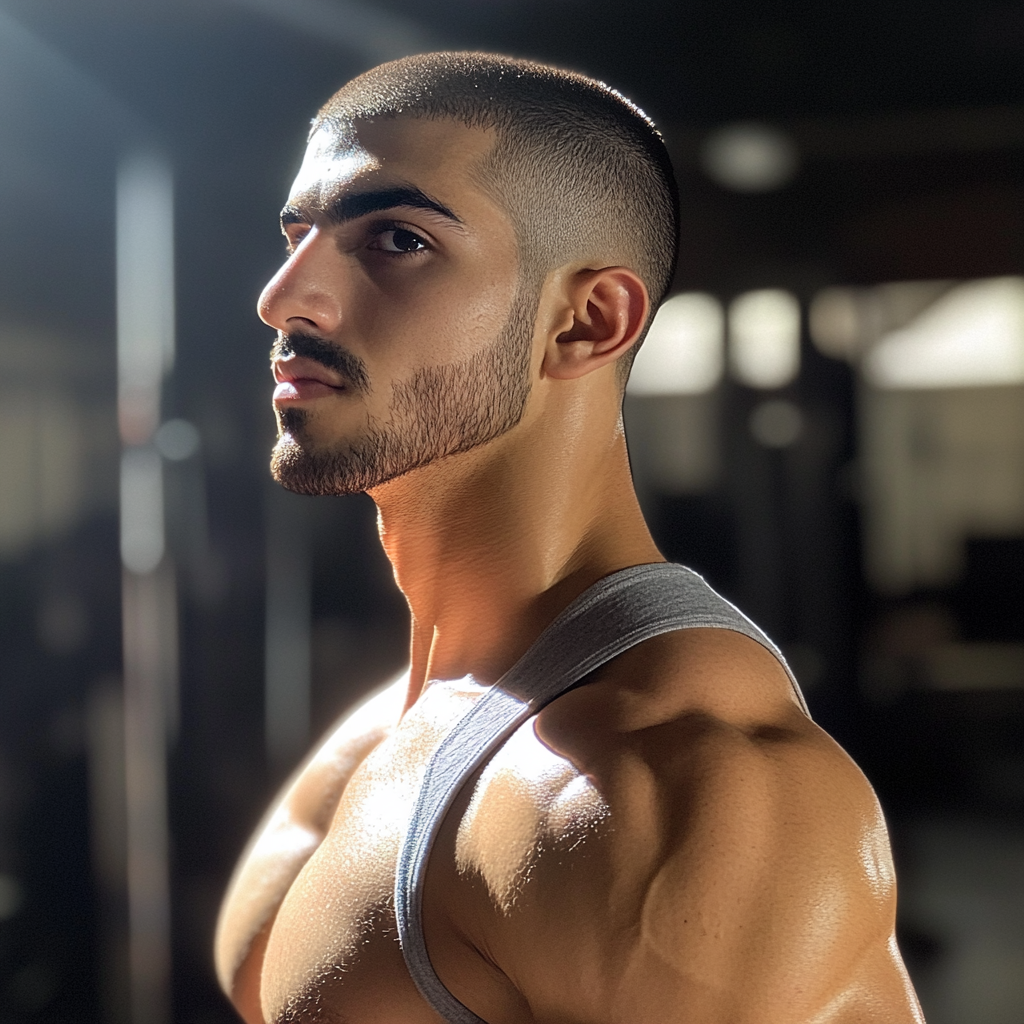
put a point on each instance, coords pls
(735, 854)
(704, 724)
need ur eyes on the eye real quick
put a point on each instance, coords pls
(293, 236)
(400, 240)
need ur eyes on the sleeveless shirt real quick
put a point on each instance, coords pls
(616, 613)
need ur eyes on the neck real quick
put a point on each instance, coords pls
(489, 546)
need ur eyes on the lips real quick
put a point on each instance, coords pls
(299, 378)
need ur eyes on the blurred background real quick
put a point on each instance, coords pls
(827, 421)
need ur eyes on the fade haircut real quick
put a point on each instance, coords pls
(581, 171)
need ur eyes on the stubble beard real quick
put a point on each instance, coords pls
(441, 411)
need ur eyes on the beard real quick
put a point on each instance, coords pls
(441, 411)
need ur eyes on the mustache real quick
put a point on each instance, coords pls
(309, 346)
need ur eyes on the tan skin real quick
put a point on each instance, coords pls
(675, 841)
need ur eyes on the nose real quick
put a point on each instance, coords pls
(305, 292)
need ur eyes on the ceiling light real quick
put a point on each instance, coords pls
(749, 157)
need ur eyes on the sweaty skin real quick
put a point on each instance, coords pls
(672, 843)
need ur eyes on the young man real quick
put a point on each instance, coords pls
(475, 244)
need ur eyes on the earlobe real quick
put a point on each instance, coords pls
(608, 309)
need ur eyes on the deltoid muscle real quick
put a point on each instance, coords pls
(616, 613)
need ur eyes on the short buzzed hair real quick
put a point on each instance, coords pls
(582, 172)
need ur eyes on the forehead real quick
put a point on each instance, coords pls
(440, 157)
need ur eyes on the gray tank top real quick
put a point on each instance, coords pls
(616, 613)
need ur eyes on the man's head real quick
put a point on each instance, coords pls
(580, 170)
(578, 175)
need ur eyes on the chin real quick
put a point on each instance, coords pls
(305, 468)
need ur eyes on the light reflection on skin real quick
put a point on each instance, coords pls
(327, 160)
(382, 824)
(525, 795)
(285, 837)
(877, 860)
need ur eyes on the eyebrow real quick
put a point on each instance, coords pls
(359, 204)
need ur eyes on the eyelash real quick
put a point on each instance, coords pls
(382, 227)
(375, 230)
(289, 245)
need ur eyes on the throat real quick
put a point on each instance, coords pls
(488, 550)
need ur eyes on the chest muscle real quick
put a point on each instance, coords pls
(333, 955)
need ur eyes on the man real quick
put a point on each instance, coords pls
(476, 245)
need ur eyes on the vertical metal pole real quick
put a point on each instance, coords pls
(109, 849)
(146, 803)
(145, 349)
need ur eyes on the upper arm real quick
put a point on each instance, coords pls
(738, 877)
(291, 831)
(771, 883)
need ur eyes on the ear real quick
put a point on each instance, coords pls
(603, 314)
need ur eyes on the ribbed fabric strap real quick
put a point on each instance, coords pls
(616, 613)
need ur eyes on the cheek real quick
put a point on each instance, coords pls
(442, 322)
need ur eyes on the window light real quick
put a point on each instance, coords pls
(764, 338)
(973, 335)
(682, 354)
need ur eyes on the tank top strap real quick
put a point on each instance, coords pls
(613, 615)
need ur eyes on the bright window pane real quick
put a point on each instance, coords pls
(971, 336)
(683, 351)
(764, 338)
